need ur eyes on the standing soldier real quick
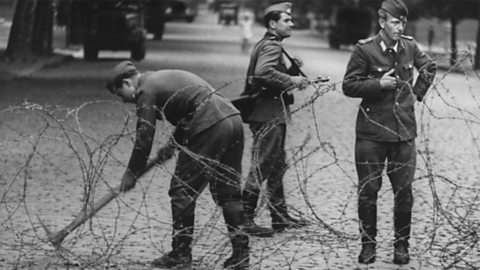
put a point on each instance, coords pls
(208, 133)
(380, 71)
(271, 74)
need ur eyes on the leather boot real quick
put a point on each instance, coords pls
(281, 220)
(234, 218)
(400, 253)
(280, 223)
(240, 259)
(181, 254)
(173, 260)
(250, 200)
(253, 229)
(368, 232)
(402, 222)
(368, 253)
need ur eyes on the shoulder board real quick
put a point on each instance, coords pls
(365, 40)
(407, 37)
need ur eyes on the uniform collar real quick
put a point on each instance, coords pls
(384, 47)
(272, 36)
(381, 41)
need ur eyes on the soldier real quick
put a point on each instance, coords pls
(380, 71)
(209, 136)
(269, 77)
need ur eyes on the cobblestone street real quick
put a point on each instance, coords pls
(64, 139)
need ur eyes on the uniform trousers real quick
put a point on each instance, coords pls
(268, 164)
(212, 157)
(370, 157)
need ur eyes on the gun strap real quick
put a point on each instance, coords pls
(293, 62)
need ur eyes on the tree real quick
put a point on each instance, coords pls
(477, 50)
(454, 11)
(31, 33)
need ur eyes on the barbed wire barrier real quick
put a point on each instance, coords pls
(58, 160)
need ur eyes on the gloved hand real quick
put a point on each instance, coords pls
(300, 82)
(165, 152)
(128, 181)
(297, 61)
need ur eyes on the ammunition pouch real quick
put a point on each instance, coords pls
(288, 98)
(245, 104)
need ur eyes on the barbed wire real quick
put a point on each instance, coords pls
(58, 162)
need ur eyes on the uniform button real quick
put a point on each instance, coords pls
(396, 103)
(367, 109)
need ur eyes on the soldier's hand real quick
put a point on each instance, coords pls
(128, 181)
(165, 153)
(388, 80)
(298, 62)
(300, 82)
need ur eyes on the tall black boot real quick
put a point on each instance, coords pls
(181, 254)
(281, 220)
(240, 259)
(234, 218)
(368, 232)
(402, 221)
(250, 200)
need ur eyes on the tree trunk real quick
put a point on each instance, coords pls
(43, 28)
(477, 50)
(31, 31)
(453, 40)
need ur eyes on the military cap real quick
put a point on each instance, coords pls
(118, 72)
(397, 8)
(282, 7)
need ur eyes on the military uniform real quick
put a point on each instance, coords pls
(387, 115)
(386, 125)
(210, 131)
(269, 73)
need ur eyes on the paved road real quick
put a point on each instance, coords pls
(48, 166)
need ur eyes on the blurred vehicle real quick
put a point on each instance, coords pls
(228, 13)
(181, 10)
(112, 25)
(348, 25)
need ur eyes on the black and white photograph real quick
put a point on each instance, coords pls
(240, 134)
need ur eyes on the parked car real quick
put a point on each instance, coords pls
(115, 28)
(348, 25)
(181, 10)
(228, 13)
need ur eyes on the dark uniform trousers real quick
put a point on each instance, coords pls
(370, 157)
(268, 75)
(213, 157)
(269, 164)
(386, 126)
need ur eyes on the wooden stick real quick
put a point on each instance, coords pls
(56, 238)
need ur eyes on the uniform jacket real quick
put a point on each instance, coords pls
(180, 97)
(268, 73)
(387, 115)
